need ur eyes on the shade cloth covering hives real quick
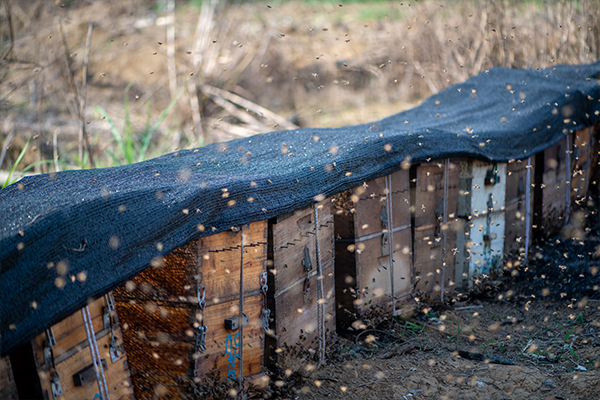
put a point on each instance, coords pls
(108, 225)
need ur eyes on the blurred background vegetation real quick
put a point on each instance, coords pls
(105, 82)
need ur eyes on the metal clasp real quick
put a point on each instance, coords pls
(56, 386)
(385, 249)
(306, 262)
(266, 314)
(263, 283)
(201, 297)
(306, 290)
(50, 342)
(115, 354)
(491, 176)
(108, 311)
(201, 337)
(384, 217)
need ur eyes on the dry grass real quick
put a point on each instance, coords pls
(311, 64)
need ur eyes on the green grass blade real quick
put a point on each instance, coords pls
(148, 137)
(14, 167)
(572, 353)
(568, 334)
(128, 135)
(27, 168)
(82, 163)
(113, 129)
(113, 156)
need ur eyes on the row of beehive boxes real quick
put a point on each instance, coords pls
(234, 302)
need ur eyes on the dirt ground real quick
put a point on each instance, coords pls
(474, 351)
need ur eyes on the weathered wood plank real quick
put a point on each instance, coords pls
(582, 162)
(372, 199)
(373, 271)
(220, 271)
(291, 235)
(514, 240)
(293, 278)
(516, 207)
(554, 188)
(8, 387)
(428, 226)
(363, 235)
(296, 310)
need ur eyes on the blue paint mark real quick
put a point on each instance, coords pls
(96, 397)
(231, 348)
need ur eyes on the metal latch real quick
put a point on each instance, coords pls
(108, 311)
(50, 342)
(385, 248)
(306, 261)
(106, 318)
(306, 290)
(266, 314)
(490, 209)
(521, 187)
(115, 354)
(201, 337)
(232, 323)
(88, 374)
(201, 297)
(384, 217)
(491, 176)
(56, 386)
(488, 237)
(263, 283)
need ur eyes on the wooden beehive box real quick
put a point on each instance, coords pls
(551, 177)
(181, 316)
(583, 144)
(481, 208)
(366, 227)
(427, 181)
(293, 284)
(8, 387)
(516, 234)
(58, 364)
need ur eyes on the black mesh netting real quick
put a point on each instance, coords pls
(111, 223)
